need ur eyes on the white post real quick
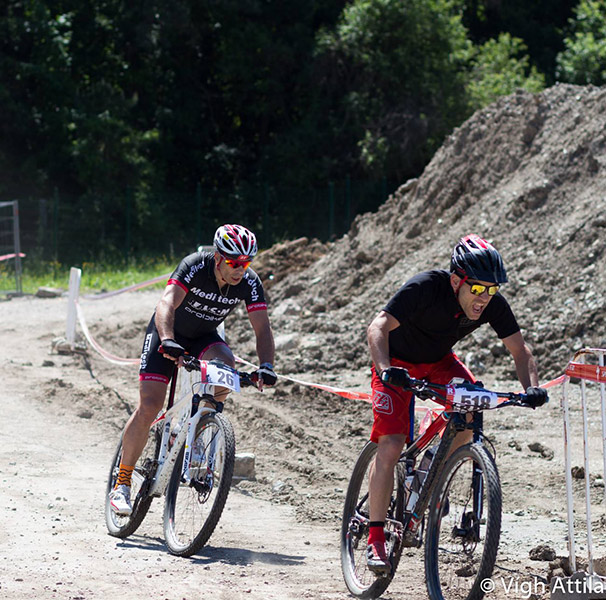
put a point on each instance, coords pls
(72, 298)
(17, 246)
(587, 482)
(603, 409)
(568, 466)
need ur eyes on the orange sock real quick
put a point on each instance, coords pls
(125, 474)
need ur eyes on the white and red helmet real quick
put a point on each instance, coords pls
(235, 242)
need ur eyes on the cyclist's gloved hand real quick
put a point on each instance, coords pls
(171, 348)
(395, 376)
(266, 374)
(536, 396)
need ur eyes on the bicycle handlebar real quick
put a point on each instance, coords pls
(426, 390)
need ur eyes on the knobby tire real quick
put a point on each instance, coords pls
(192, 511)
(461, 550)
(123, 526)
(360, 581)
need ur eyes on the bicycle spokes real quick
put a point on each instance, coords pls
(194, 503)
(464, 527)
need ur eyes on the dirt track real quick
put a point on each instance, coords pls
(55, 544)
(270, 544)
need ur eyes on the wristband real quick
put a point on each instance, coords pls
(267, 365)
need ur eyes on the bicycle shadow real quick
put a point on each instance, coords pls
(243, 557)
(213, 554)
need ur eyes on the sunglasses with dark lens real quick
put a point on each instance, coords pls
(234, 264)
(477, 289)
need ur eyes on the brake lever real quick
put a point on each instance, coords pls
(190, 363)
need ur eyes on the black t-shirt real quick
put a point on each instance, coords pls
(205, 306)
(432, 321)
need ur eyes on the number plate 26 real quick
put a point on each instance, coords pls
(222, 375)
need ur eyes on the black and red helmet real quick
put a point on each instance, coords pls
(475, 258)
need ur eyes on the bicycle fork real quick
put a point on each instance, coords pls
(192, 425)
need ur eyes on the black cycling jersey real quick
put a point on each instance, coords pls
(432, 321)
(206, 306)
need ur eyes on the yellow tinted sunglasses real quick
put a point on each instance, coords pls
(477, 289)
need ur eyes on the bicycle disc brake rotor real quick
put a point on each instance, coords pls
(205, 464)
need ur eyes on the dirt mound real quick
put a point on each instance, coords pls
(274, 264)
(528, 173)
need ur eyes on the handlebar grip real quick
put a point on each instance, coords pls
(248, 379)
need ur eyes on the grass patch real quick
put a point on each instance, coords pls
(96, 277)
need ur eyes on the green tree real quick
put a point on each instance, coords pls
(583, 60)
(497, 68)
(391, 79)
(538, 23)
(34, 82)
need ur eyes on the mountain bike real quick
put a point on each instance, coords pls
(189, 457)
(458, 494)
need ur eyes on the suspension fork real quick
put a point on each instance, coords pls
(477, 479)
(198, 411)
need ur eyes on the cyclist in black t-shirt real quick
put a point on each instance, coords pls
(413, 336)
(201, 292)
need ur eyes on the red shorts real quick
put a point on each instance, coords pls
(392, 407)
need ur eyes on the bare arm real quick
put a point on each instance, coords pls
(526, 367)
(165, 310)
(378, 339)
(265, 339)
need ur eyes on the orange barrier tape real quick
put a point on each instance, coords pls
(349, 394)
(583, 371)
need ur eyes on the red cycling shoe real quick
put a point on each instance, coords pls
(377, 559)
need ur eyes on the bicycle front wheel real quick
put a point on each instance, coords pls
(192, 510)
(123, 526)
(464, 526)
(360, 581)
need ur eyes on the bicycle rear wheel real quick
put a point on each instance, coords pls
(192, 510)
(360, 581)
(464, 526)
(123, 526)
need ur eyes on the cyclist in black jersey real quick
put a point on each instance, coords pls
(413, 336)
(201, 292)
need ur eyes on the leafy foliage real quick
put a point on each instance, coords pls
(583, 60)
(391, 69)
(191, 111)
(497, 68)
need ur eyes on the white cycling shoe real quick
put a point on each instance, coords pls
(119, 499)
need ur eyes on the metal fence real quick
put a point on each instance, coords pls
(72, 230)
(10, 244)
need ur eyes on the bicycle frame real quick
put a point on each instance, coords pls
(458, 493)
(449, 425)
(469, 399)
(176, 412)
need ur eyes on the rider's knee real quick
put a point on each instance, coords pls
(149, 406)
(389, 451)
(220, 352)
